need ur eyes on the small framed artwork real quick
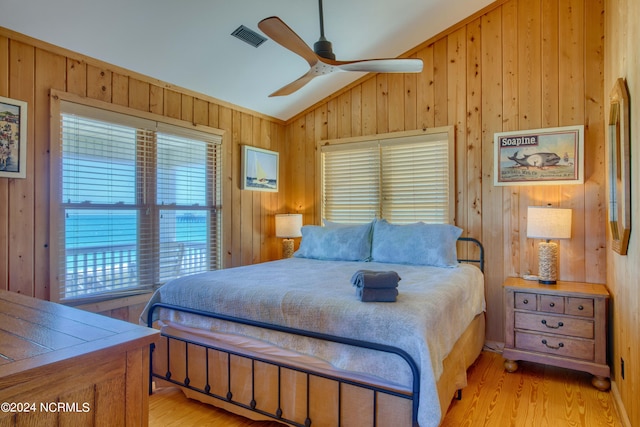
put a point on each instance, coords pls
(259, 169)
(547, 156)
(13, 138)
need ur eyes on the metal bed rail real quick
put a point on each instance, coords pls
(480, 259)
(413, 396)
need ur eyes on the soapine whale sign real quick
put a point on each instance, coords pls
(539, 156)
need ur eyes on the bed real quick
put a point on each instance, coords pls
(289, 340)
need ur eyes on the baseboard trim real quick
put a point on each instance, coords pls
(493, 346)
(619, 405)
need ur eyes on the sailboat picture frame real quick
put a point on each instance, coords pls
(260, 169)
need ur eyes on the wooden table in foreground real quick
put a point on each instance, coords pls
(67, 367)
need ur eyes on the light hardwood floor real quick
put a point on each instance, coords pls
(535, 395)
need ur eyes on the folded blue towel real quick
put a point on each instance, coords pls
(375, 279)
(377, 295)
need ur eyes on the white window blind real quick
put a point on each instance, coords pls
(415, 180)
(403, 179)
(351, 182)
(188, 197)
(139, 202)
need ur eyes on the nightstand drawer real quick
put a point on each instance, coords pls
(525, 301)
(580, 307)
(582, 328)
(552, 303)
(560, 346)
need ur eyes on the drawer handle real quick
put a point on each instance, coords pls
(525, 301)
(560, 345)
(560, 324)
(552, 304)
(580, 307)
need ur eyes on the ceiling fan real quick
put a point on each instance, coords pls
(322, 60)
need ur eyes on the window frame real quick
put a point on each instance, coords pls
(55, 205)
(447, 132)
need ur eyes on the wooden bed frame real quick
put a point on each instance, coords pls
(263, 387)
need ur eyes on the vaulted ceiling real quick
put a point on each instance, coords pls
(189, 43)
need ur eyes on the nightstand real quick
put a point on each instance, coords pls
(563, 325)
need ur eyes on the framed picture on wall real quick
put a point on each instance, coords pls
(259, 169)
(13, 138)
(549, 156)
(618, 166)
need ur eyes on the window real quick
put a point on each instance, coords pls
(137, 202)
(405, 177)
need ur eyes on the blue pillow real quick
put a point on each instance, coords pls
(417, 243)
(344, 243)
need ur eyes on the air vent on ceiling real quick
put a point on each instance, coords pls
(249, 36)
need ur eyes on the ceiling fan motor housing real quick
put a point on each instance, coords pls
(323, 48)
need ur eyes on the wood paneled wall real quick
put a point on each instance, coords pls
(623, 272)
(29, 69)
(518, 64)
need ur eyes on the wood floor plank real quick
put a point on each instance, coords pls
(534, 396)
(168, 407)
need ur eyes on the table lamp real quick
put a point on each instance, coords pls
(548, 223)
(288, 226)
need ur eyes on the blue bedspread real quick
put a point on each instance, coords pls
(433, 307)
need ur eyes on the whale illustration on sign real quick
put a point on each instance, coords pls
(539, 160)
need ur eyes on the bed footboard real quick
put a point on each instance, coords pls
(178, 372)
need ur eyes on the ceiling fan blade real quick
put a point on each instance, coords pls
(280, 33)
(382, 65)
(322, 62)
(294, 85)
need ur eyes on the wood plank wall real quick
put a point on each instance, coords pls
(29, 69)
(622, 60)
(518, 64)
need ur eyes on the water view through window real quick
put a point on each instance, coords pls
(137, 211)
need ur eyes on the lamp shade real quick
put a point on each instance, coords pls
(548, 223)
(288, 225)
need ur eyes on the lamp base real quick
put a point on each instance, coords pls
(287, 248)
(547, 263)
